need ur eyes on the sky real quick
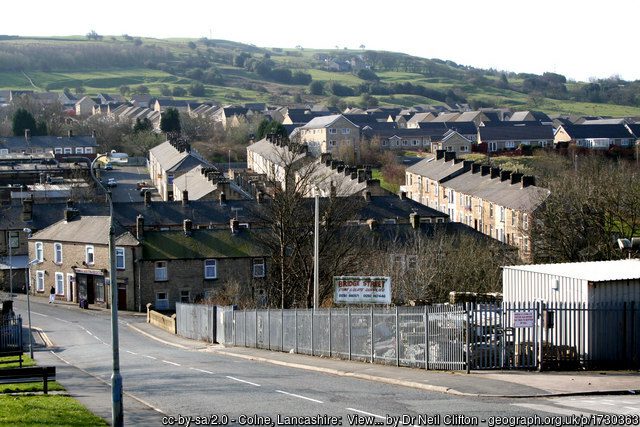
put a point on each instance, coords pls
(578, 39)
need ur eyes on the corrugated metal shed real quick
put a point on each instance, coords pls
(582, 282)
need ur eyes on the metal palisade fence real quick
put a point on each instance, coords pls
(11, 333)
(530, 335)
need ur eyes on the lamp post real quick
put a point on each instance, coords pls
(316, 251)
(117, 414)
(28, 279)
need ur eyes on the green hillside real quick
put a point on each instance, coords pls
(230, 72)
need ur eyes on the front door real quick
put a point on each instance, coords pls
(122, 297)
(91, 290)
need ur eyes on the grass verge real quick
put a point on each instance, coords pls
(32, 410)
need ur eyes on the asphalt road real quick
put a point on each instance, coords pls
(198, 383)
(127, 177)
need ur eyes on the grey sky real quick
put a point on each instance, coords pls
(575, 38)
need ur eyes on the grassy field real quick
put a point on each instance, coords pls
(377, 174)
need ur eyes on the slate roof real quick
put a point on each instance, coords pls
(47, 142)
(635, 129)
(86, 229)
(324, 121)
(196, 183)
(201, 244)
(435, 169)
(305, 116)
(440, 128)
(421, 117)
(508, 133)
(446, 117)
(274, 153)
(597, 131)
(502, 193)
(171, 159)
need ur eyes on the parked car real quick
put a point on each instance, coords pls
(146, 189)
(111, 182)
(142, 184)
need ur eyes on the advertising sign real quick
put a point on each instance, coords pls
(362, 289)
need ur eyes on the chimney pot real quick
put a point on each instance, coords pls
(449, 155)
(187, 226)
(147, 198)
(475, 167)
(222, 198)
(70, 133)
(414, 220)
(403, 195)
(259, 197)
(27, 134)
(440, 154)
(235, 225)
(505, 175)
(528, 181)
(516, 178)
(367, 196)
(139, 227)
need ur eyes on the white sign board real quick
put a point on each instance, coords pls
(524, 319)
(362, 289)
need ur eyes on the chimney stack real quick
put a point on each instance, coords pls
(367, 196)
(70, 214)
(414, 220)
(467, 164)
(485, 170)
(325, 157)
(403, 195)
(361, 175)
(475, 168)
(440, 154)
(505, 175)
(185, 198)
(139, 227)
(27, 208)
(222, 198)
(528, 181)
(495, 172)
(449, 155)
(69, 204)
(27, 134)
(70, 133)
(93, 134)
(187, 226)
(147, 198)
(516, 178)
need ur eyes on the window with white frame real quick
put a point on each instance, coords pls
(346, 131)
(89, 255)
(57, 253)
(509, 144)
(162, 301)
(67, 150)
(40, 281)
(161, 271)
(464, 148)
(258, 267)
(332, 143)
(57, 150)
(210, 269)
(525, 221)
(59, 283)
(502, 217)
(39, 251)
(14, 239)
(333, 131)
(185, 297)
(514, 217)
(490, 210)
(88, 150)
(79, 150)
(120, 260)
(4, 151)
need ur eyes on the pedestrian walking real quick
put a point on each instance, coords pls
(52, 295)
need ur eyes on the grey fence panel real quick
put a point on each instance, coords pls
(340, 333)
(384, 336)
(250, 328)
(303, 331)
(262, 329)
(411, 334)
(275, 329)
(196, 321)
(361, 334)
(321, 335)
(289, 337)
(11, 334)
(240, 328)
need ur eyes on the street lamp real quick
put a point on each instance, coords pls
(117, 415)
(28, 273)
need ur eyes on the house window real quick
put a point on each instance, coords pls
(39, 251)
(415, 142)
(346, 131)
(40, 281)
(161, 271)
(4, 151)
(493, 146)
(514, 217)
(14, 239)
(100, 291)
(525, 221)
(79, 150)
(501, 213)
(333, 131)
(258, 267)
(59, 283)
(89, 256)
(525, 244)
(57, 253)
(120, 261)
(67, 150)
(332, 143)
(464, 148)
(490, 210)
(162, 301)
(184, 297)
(57, 150)
(510, 144)
(384, 143)
(210, 269)
(88, 150)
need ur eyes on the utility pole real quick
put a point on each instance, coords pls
(316, 251)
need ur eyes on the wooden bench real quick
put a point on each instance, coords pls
(11, 353)
(28, 375)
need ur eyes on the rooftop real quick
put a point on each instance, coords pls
(594, 271)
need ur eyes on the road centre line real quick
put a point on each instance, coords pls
(38, 314)
(202, 370)
(131, 352)
(298, 396)
(243, 381)
(366, 413)
(150, 357)
(171, 363)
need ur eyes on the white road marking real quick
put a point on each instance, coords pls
(62, 320)
(298, 396)
(171, 363)
(607, 403)
(60, 357)
(97, 338)
(38, 314)
(243, 381)
(367, 413)
(131, 352)
(150, 357)
(202, 370)
(88, 332)
(548, 408)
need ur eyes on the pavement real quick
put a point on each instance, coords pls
(508, 384)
